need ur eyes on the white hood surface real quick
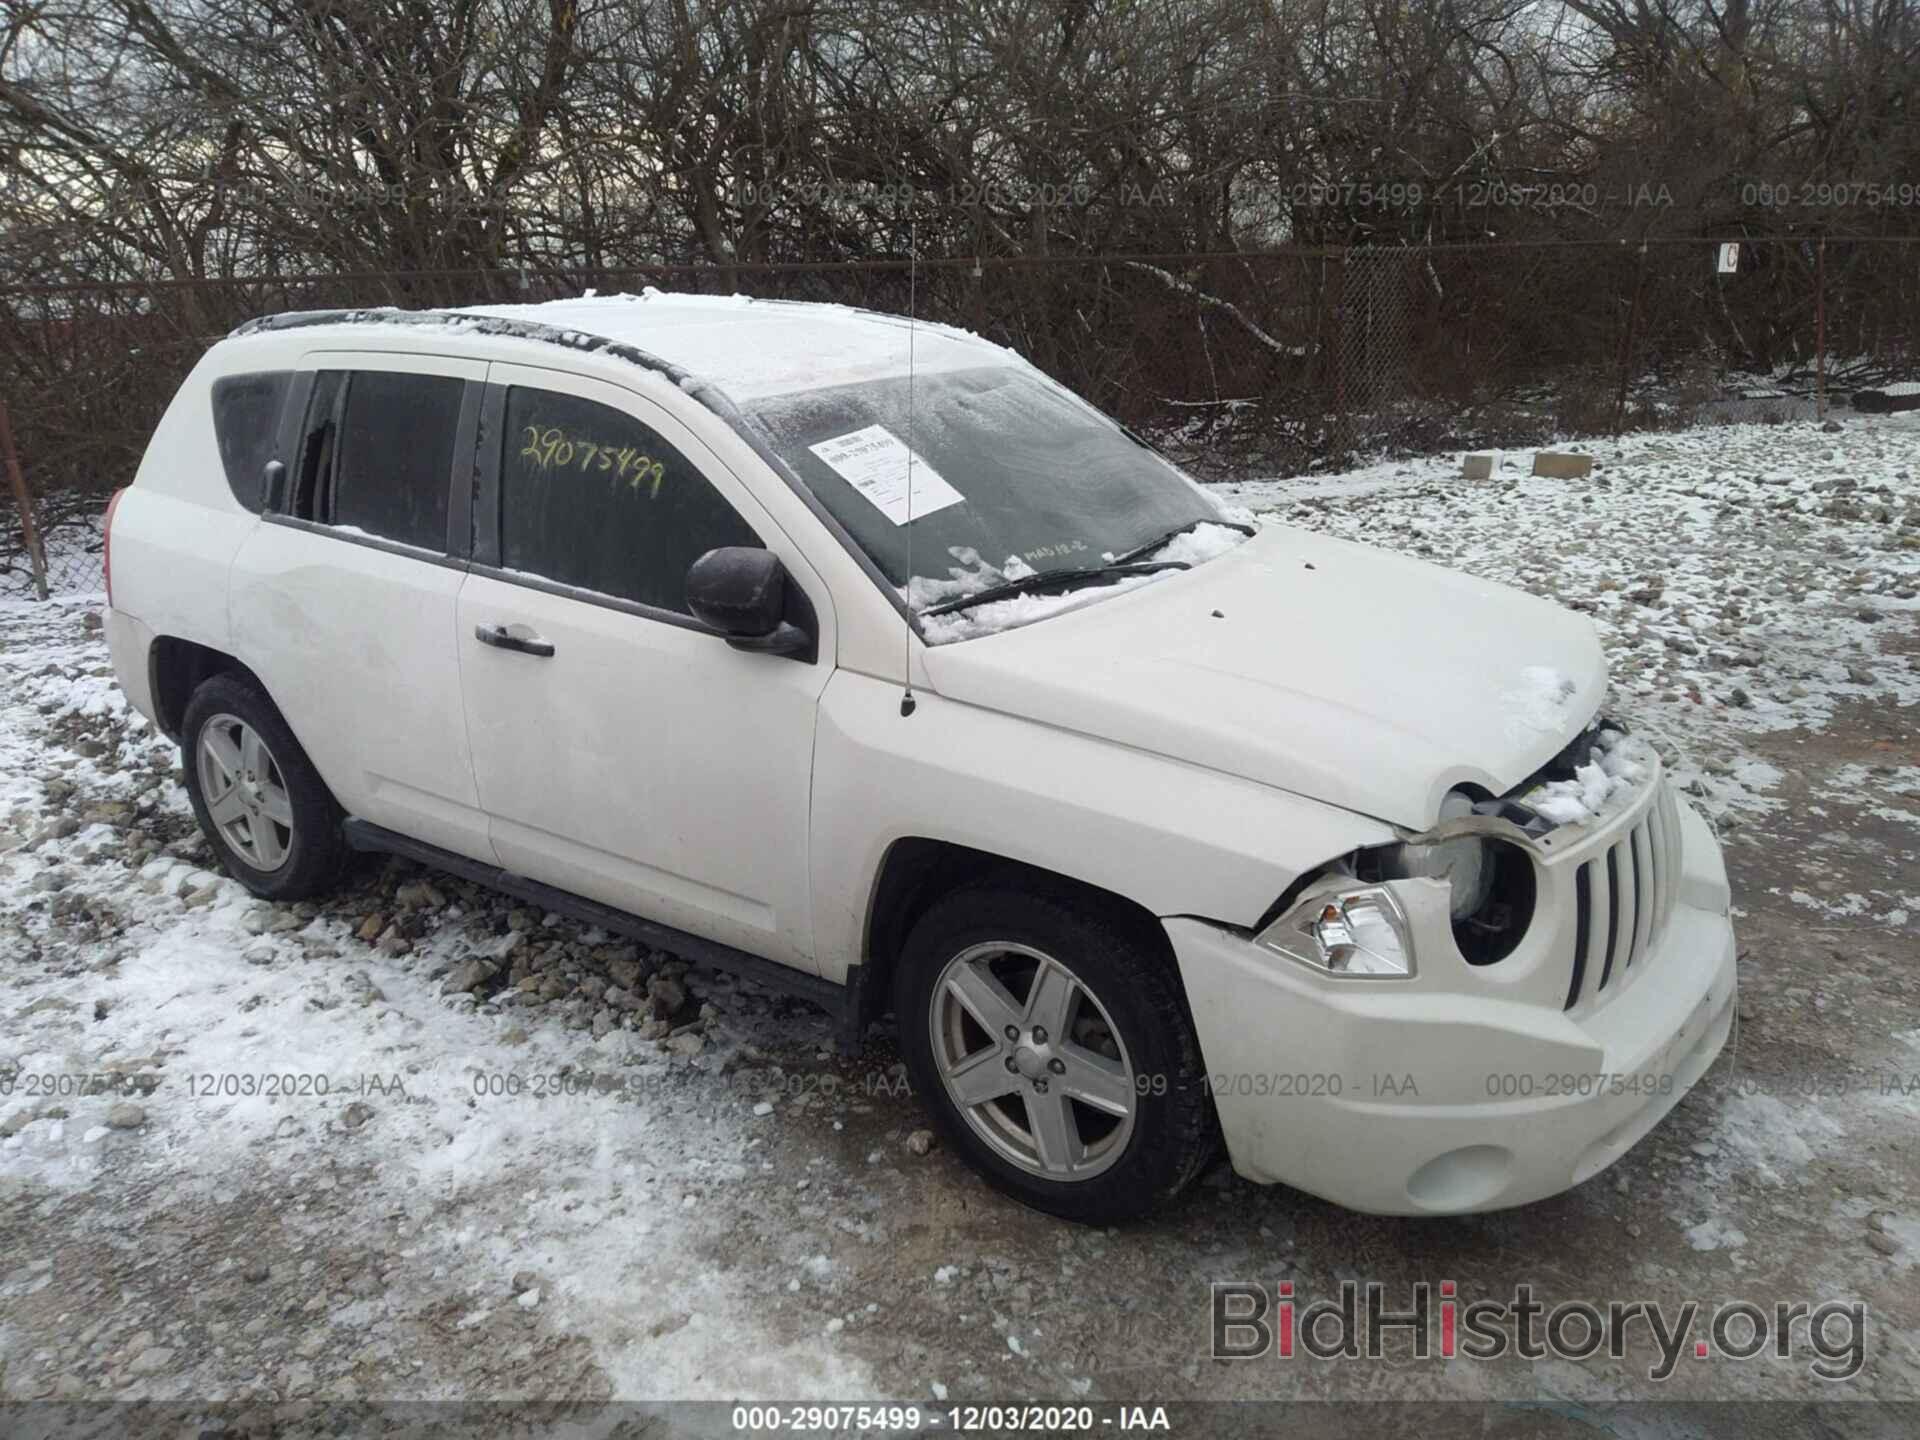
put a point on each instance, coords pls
(1328, 669)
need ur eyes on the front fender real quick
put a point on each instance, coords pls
(1174, 838)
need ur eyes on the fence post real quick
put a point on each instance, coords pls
(1820, 329)
(1626, 344)
(29, 532)
(1341, 428)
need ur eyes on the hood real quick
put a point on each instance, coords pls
(1336, 671)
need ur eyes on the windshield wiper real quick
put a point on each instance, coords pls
(1175, 534)
(1048, 579)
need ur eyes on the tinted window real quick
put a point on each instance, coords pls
(246, 419)
(377, 454)
(592, 497)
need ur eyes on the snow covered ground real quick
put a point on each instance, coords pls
(421, 1142)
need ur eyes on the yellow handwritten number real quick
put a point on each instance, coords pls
(553, 449)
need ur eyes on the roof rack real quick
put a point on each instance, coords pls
(582, 341)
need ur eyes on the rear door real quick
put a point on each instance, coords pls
(622, 750)
(343, 601)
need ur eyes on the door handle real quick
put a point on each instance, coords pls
(501, 638)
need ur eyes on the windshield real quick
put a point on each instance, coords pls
(1012, 476)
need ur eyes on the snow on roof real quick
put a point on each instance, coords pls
(752, 348)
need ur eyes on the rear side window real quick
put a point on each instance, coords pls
(592, 497)
(378, 454)
(246, 422)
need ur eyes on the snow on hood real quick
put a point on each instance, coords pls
(1333, 670)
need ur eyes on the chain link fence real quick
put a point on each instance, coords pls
(1274, 363)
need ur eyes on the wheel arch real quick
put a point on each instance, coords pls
(176, 668)
(917, 871)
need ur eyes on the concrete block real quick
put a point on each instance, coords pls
(1560, 465)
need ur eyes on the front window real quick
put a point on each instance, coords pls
(1012, 480)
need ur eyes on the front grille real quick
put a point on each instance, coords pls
(1622, 898)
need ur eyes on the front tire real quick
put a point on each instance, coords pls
(262, 806)
(1052, 1043)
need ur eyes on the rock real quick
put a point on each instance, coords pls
(655, 1030)
(1832, 427)
(527, 1299)
(603, 1024)
(627, 974)
(622, 999)
(126, 1117)
(151, 1361)
(920, 1141)
(1883, 1242)
(371, 927)
(687, 1045)
(419, 895)
(256, 920)
(394, 946)
(467, 977)
(522, 919)
(1739, 699)
(667, 994)
(93, 620)
(524, 1280)
(356, 1115)
(256, 1271)
(1859, 675)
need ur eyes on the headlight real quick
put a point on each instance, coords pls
(1490, 883)
(1464, 862)
(1360, 931)
(1346, 918)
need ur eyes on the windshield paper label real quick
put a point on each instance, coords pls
(874, 462)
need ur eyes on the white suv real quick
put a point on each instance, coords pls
(862, 657)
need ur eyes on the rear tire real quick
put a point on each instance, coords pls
(1028, 1023)
(262, 806)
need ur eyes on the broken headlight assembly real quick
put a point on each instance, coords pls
(1346, 920)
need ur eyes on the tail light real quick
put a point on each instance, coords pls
(106, 549)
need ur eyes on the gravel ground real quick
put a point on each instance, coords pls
(418, 1142)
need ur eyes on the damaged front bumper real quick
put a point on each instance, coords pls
(1472, 1087)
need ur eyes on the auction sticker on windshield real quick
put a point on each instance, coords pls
(875, 462)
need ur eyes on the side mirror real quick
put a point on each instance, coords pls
(741, 591)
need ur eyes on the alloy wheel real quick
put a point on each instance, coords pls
(1031, 1058)
(245, 792)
